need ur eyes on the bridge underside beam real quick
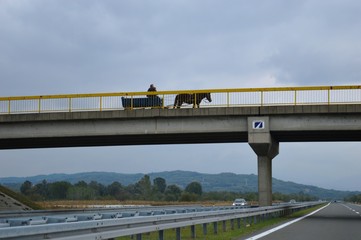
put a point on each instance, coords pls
(154, 139)
(121, 140)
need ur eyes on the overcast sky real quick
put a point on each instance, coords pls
(74, 46)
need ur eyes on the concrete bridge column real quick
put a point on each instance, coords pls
(266, 148)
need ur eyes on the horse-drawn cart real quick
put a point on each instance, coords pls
(129, 103)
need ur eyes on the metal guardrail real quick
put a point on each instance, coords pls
(109, 225)
(220, 98)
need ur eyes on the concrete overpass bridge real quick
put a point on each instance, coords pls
(261, 117)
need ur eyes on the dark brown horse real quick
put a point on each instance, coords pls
(194, 99)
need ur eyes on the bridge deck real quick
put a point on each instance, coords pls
(178, 126)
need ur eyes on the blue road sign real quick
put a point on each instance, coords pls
(258, 124)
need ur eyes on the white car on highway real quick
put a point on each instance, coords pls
(239, 202)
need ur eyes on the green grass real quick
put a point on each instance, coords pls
(247, 227)
(19, 197)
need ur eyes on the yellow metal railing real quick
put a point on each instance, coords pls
(220, 98)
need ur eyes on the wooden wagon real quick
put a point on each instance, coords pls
(142, 102)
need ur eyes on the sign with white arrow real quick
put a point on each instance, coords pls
(258, 124)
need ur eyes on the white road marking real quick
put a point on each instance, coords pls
(351, 209)
(284, 225)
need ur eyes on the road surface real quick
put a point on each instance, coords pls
(336, 221)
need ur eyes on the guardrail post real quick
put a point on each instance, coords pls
(161, 234)
(224, 225)
(204, 228)
(238, 223)
(283, 213)
(215, 227)
(139, 236)
(193, 231)
(232, 224)
(178, 233)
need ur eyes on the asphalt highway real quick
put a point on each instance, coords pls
(334, 222)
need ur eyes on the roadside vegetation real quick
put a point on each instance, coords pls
(156, 192)
(20, 198)
(354, 199)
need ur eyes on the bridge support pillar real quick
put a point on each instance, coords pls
(266, 148)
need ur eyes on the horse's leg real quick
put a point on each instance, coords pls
(178, 103)
(182, 99)
(175, 101)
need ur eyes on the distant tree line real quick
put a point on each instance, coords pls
(354, 198)
(299, 197)
(144, 189)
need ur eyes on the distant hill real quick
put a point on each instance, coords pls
(210, 182)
